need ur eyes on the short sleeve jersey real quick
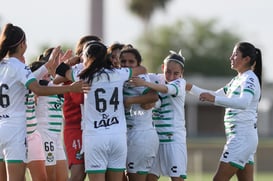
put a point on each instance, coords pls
(49, 113)
(169, 118)
(72, 102)
(72, 109)
(103, 105)
(136, 117)
(15, 78)
(30, 103)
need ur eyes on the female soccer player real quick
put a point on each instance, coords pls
(169, 119)
(15, 79)
(240, 97)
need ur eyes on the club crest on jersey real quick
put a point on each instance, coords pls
(106, 121)
(50, 157)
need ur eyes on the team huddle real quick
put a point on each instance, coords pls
(98, 112)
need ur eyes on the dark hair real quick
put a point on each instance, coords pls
(115, 46)
(176, 57)
(83, 40)
(130, 49)
(36, 65)
(11, 36)
(255, 54)
(45, 55)
(96, 50)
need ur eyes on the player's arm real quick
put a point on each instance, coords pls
(40, 90)
(136, 81)
(147, 100)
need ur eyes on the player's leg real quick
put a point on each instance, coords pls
(16, 171)
(247, 174)
(3, 173)
(224, 172)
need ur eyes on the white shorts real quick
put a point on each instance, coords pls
(13, 144)
(35, 149)
(105, 152)
(53, 147)
(240, 150)
(142, 150)
(171, 160)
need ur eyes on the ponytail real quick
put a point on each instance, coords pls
(258, 65)
(97, 51)
(3, 52)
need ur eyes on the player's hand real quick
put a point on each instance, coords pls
(207, 97)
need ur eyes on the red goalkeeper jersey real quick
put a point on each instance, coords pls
(72, 109)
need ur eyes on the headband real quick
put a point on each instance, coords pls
(169, 58)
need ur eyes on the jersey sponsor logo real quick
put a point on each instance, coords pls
(136, 112)
(4, 116)
(106, 121)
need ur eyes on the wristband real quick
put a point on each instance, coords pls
(62, 69)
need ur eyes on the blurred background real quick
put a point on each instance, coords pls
(206, 31)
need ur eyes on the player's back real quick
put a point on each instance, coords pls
(103, 105)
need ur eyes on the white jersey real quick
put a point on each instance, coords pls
(103, 104)
(30, 103)
(49, 113)
(169, 119)
(241, 102)
(15, 78)
(30, 113)
(136, 117)
(240, 97)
